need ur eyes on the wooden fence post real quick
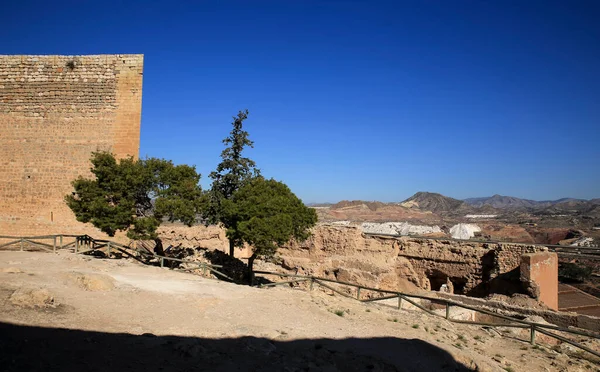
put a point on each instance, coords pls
(61, 242)
(399, 302)
(532, 339)
(76, 244)
(21, 244)
(312, 281)
(108, 249)
(54, 244)
(447, 310)
(358, 294)
(162, 262)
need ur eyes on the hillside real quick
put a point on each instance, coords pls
(433, 202)
(501, 202)
(511, 202)
(509, 214)
(374, 205)
(373, 211)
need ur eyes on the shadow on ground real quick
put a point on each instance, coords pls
(25, 348)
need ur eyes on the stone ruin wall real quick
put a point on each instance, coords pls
(404, 264)
(472, 268)
(54, 112)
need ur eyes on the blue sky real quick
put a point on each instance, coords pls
(369, 100)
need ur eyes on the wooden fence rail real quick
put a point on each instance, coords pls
(408, 297)
(86, 244)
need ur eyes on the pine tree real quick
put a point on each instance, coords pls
(135, 195)
(231, 174)
(266, 214)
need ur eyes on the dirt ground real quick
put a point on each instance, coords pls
(66, 312)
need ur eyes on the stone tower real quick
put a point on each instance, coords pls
(54, 112)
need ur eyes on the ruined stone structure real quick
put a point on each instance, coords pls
(54, 112)
(344, 253)
(539, 272)
(471, 268)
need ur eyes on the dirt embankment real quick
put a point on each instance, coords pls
(97, 315)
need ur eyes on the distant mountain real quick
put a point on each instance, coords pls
(424, 205)
(510, 202)
(374, 205)
(321, 205)
(433, 202)
(502, 202)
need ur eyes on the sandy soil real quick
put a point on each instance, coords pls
(68, 312)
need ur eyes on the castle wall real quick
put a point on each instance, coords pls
(54, 112)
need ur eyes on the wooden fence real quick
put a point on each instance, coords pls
(507, 321)
(81, 244)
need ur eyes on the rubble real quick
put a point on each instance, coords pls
(91, 282)
(32, 298)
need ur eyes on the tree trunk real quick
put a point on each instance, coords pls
(231, 248)
(158, 248)
(250, 270)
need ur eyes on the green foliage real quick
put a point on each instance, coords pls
(266, 214)
(574, 272)
(135, 195)
(233, 172)
(339, 312)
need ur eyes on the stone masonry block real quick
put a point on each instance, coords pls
(539, 274)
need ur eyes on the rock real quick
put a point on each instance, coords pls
(425, 284)
(449, 285)
(531, 288)
(12, 270)
(405, 270)
(32, 298)
(211, 238)
(92, 282)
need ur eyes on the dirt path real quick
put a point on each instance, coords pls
(120, 315)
